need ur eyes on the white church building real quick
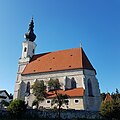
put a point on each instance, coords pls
(71, 67)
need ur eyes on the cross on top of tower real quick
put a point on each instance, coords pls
(30, 36)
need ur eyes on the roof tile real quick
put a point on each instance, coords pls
(76, 92)
(59, 60)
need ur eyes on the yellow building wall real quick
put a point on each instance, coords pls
(71, 104)
(77, 106)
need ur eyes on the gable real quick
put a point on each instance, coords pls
(4, 94)
(59, 60)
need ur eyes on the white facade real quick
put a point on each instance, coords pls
(28, 49)
(80, 76)
(83, 78)
(27, 53)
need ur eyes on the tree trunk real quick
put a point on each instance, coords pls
(59, 113)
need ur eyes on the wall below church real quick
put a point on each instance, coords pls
(71, 104)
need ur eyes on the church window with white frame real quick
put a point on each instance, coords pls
(48, 101)
(76, 101)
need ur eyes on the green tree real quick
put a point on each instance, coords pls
(39, 90)
(54, 84)
(115, 95)
(17, 108)
(58, 101)
(4, 103)
(111, 109)
(103, 95)
(106, 109)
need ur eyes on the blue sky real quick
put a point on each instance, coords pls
(62, 24)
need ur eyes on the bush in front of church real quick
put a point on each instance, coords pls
(110, 109)
(17, 108)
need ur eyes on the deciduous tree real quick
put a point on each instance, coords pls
(39, 90)
(54, 84)
(59, 99)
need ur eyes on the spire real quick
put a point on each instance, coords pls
(30, 36)
(80, 44)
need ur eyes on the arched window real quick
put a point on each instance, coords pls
(73, 83)
(28, 88)
(90, 92)
(25, 49)
(67, 83)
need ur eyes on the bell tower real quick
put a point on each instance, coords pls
(29, 45)
(28, 51)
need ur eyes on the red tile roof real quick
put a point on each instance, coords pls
(59, 60)
(108, 98)
(76, 92)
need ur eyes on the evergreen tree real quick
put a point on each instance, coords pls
(17, 108)
(111, 109)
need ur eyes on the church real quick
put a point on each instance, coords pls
(71, 67)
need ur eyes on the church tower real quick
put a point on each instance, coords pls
(27, 53)
(29, 45)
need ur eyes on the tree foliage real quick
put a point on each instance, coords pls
(59, 99)
(39, 90)
(54, 84)
(3, 104)
(103, 95)
(111, 109)
(17, 107)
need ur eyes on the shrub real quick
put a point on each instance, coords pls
(17, 108)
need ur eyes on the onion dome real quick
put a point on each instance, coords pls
(30, 36)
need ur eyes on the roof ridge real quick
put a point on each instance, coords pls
(74, 58)
(55, 51)
(86, 60)
(81, 50)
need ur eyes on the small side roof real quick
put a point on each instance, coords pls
(108, 97)
(1, 91)
(76, 92)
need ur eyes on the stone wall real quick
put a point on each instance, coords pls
(65, 114)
